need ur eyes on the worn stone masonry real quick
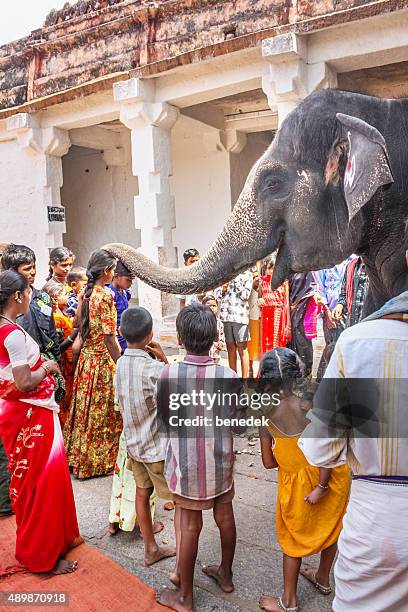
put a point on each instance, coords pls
(83, 44)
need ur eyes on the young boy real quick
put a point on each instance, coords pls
(122, 281)
(77, 280)
(199, 458)
(219, 344)
(136, 377)
(234, 313)
(190, 256)
(38, 322)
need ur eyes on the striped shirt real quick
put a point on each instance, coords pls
(136, 377)
(372, 437)
(199, 457)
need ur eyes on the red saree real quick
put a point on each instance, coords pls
(274, 319)
(40, 486)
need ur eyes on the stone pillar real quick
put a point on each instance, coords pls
(39, 186)
(288, 77)
(150, 123)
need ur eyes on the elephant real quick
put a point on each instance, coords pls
(333, 182)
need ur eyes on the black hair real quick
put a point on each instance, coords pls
(280, 369)
(190, 253)
(57, 255)
(122, 270)
(98, 262)
(10, 282)
(197, 328)
(136, 324)
(75, 274)
(15, 255)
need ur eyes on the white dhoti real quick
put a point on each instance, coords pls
(371, 572)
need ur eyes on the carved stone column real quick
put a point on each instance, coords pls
(41, 184)
(288, 77)
(150, 123)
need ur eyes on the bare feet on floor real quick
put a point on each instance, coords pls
(78, 540)
(161, 552)
(271, 604)
(312, 574)
(64, 567)
(158, 527)
(172, 599)
(224, 582)
(175, 579)
(113, 528)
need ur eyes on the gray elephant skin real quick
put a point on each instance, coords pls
(333, 182)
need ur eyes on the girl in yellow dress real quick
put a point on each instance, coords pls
(311, 501)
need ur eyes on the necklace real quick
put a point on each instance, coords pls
(13, 323)
(9, 320)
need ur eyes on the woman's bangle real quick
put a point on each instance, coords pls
(325, 487)
(45, 369)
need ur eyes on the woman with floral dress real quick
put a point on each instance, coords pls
(93, 426)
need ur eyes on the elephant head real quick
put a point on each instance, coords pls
(305, 197)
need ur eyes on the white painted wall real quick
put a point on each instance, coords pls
(23, 216)
(99, 202)
(200, 185)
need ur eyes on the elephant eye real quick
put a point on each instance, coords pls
(272, 183)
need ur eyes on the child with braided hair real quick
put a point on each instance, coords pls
(311, 501)
(93, 425)
(60, 264)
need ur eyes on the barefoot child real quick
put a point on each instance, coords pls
(311, 501)
(136, 376)
(199, 458)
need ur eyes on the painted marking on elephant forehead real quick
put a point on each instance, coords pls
(304, 174)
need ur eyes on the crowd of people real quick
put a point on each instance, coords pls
(253, 318)
(85, 389)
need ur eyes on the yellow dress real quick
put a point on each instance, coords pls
(304, 529)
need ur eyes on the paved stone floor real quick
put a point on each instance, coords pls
(257, 567)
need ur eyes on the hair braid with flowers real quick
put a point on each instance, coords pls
(98, 263)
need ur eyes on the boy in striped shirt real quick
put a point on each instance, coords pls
(199, 456)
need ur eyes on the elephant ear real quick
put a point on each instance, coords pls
(367, 166)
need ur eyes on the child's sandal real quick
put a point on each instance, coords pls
(283, 607)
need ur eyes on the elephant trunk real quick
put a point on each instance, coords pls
(242, 241)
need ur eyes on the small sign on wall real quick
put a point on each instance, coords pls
(56, 213)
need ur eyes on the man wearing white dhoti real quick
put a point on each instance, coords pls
(360, 417)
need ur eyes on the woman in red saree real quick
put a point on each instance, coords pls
(40, 486)
(275, 317)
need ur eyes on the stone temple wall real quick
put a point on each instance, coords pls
(86, 42)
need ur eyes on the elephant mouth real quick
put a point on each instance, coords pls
(282, 268)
